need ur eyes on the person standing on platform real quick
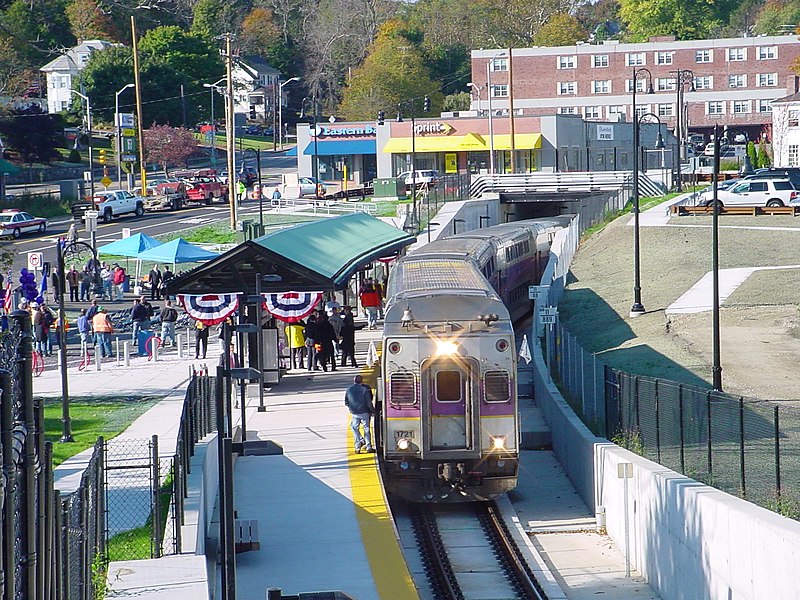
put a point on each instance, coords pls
(358, 400)
(119, 282)
(326, 336)
(296, 340)
(102, 327)
(311, 340)
(138, 318)
(201, 331)
(154, 277)
(165, 278)
(348, 337)
(169, 316)
(84, 329)
(73, 279)
(370, 300)
(85, 284)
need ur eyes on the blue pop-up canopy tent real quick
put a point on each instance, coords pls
(130, 246)
(177, 251)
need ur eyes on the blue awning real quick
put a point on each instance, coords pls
(291, 152)
(340, 148)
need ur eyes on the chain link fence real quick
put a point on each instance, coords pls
(744, 446)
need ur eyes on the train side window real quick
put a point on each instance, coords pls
(402, 389)
(448, 386)
(496, 386)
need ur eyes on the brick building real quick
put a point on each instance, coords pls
(734, 80)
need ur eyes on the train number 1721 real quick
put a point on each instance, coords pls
(399, 433)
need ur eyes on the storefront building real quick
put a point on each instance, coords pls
(461, 144)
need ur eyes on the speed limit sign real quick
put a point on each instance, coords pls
(35, 260)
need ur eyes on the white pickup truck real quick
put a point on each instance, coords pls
(115, 203)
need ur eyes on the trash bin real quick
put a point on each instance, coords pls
(126, 284)
(142, 340)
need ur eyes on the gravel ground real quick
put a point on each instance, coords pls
(760, 321)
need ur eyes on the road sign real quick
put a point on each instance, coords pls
(537, 292)
(125, 120)
(127, 132)
(106, 181)
(126, 232)
(35, 260)
(90, 219)
(548, 315)
(129, 158)
(87, 176)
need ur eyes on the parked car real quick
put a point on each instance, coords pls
(790, 173)
(308, 186)
(697, 141)
(723, 148)
(754, 192)
(14, 223)
(426, 176)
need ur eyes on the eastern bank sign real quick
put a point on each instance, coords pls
(358, 131)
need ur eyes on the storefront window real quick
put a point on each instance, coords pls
(332, 168)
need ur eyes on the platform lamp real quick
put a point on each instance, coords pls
(683, 78)
(426, 106)
(637, 308)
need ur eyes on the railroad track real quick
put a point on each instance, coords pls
(468, 551)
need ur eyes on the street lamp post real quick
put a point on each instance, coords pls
(637, 308)
(212, 87)
(682, 78)
(89, 142)
(426, 107)
(280, 111)
(119, 132)
(257, 152)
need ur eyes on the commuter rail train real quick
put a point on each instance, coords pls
(449, 429)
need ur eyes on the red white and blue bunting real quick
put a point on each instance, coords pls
(209, 309)
(291, 306)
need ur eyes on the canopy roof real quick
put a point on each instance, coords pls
(130, 246)
(6, 168)
(315, 256)
(177, 251)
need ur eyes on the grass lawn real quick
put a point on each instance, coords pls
(243, 142)
(90, 418)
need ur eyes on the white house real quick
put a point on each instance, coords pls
(61, 71)
(786, 131)
(255, 85)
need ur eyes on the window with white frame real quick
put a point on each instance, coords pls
(741, 107)
(616, 109)
(64, 105)
(567, 88)
(735, 54)
(634, 59)
(664, 58)
(793, 118)
(767, 52)
(666, 110)
(640, 85)
(704, 56)
(601, 87)
(764, 105)
(500, 91)
(568, 110)
(715, 107)
(704, 82)
(600, 60)
(737, 81)
(767, 80)
(794, 156)
(665, 84)
(591, 112)
(567, 62)
(499, 64)
(641, 111)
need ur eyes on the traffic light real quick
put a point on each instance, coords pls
(102, 157)
(381, 117)
(252, 112)
(426, 104)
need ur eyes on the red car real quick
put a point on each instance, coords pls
(15, 222)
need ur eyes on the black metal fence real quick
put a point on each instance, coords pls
(746, 447)
(50, 547)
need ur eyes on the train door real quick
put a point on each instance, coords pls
(448, 385)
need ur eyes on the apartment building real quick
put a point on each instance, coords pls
(64, 70)
(730, 82)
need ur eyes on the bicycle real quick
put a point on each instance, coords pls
(38, 363)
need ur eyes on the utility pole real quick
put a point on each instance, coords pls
(229, 131)
(139, 118)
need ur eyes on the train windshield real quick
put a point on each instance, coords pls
(449, 386)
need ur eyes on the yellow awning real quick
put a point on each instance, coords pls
(463, 143)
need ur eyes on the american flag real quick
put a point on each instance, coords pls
(8, 299)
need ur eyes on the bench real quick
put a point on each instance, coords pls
(245, 535)
(682, 209)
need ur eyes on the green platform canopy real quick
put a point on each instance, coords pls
(317, 256)
(6, 168)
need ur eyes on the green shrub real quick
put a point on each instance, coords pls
(39, 205)
(729, 165)
(74, 156)
(764, 159)
(752, 154)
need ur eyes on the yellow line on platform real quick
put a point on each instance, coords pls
(386, 561)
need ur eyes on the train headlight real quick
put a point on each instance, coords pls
(444, 347)
(403, 444)
(499, 442)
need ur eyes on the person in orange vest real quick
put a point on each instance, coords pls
(103, 328)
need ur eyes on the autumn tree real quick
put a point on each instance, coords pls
(88, 21)
(258, 32)
(169, 146)
(685, 19)
(775, 15)
(560, 30)
(393, 72)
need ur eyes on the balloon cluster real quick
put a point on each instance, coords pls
(28, 287)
